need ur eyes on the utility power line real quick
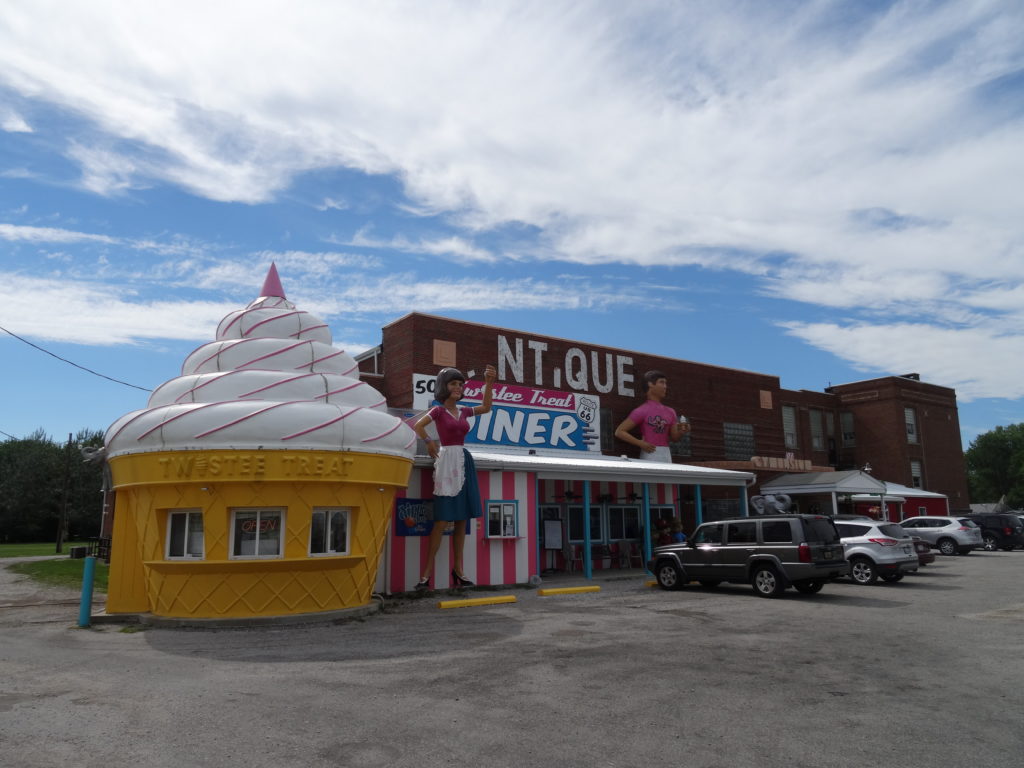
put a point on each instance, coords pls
(63, 360)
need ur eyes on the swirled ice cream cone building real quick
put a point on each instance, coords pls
(260, 481)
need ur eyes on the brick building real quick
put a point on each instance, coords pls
(906, 430)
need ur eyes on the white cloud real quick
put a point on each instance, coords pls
(14, 232)
(456, 247)
(398, 293)
(852, 156)
(129, 309)
(978, 362)
(102, 314)
(17, 173)
(12, 122)
(330, 204)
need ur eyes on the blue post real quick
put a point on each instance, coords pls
(744, 507)
(85, 608)
(588, 560)
(534, 514)
(646, 549)
(698, 504)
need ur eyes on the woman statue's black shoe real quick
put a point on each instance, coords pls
(423, 584)
(458, 581)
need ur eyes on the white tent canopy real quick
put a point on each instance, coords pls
(852, 482)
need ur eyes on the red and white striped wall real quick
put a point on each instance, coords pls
(486, 560)
(494, 561)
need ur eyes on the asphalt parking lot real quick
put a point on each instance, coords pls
(924, 672)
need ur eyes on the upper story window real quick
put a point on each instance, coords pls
(789, 425)
(184, 534)
(739, 441)
(915, 474)
(817, 433)
(910, 416)
(849, 436)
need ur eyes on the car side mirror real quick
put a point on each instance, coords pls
(691, 543)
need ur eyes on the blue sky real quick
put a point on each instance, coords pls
(822, 191)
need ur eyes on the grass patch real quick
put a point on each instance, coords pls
(62, 573)
(36, 549)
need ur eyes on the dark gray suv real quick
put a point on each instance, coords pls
(770, 552)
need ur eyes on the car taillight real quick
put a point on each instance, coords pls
(804, 553)
(1008, 531)
(963, 528)
(885, 542)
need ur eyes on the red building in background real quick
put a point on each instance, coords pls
(902, 430)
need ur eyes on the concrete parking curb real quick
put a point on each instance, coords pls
(149, 620)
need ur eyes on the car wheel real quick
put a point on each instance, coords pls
(808, 587)
(709, 583)
(863, 571)
(892, 578)
(668, 575)
(989, 544)
(947, 547)
(766, 581)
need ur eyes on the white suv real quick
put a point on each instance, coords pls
(877, 550)
(949, 535)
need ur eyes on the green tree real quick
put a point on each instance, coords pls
(995, 466)
(33, 475)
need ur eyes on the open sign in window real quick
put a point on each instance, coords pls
(257, 533)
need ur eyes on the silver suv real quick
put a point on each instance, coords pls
(770, 553)
(877, 550)
(949, 535)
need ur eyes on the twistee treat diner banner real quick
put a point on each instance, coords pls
(526, 417)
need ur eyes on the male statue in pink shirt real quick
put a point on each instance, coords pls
(657, 422)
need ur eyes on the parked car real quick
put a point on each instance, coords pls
(924, 552)
(999, 530)
(770, 553)
(949, 535)
(877, 550)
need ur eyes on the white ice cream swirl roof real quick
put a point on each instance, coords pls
(271, 381)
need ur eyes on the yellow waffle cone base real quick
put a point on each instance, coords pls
(150, 486)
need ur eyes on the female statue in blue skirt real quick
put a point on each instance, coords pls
(456, 494)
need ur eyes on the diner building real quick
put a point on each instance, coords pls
(562, 493)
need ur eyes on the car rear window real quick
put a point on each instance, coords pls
(742, 533)
(849, 529)
(776, 532)
(891, 529)
(820, 530)
(967, 523)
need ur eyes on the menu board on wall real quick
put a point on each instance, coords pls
(552, 534)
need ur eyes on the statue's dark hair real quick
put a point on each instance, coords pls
(444, 376)
(651, 377)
